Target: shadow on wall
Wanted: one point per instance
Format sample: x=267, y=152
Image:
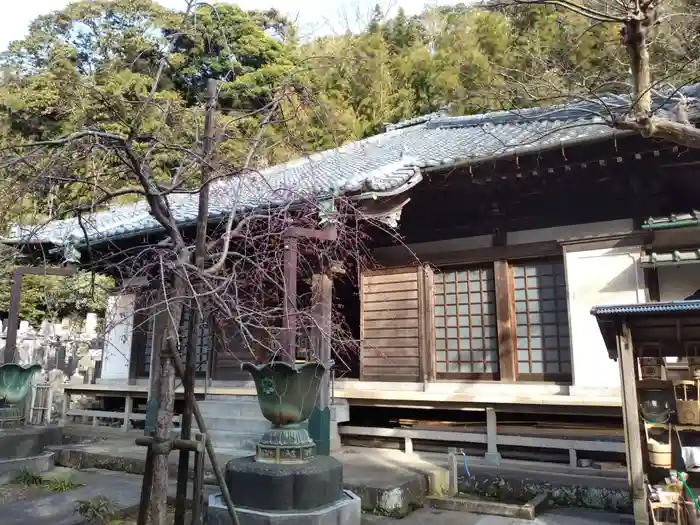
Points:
x=623, y=282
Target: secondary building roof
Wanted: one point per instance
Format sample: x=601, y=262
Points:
x=386, y=164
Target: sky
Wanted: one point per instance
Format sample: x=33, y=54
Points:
x=312, y=16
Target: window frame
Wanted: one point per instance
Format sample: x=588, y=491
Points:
x=477, y=376
x=544, y=376
x=506, y=324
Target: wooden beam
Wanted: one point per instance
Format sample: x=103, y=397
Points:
x=10, y=352
x=428, y=357
x=633, y=437
x=322, y=293
x=505, y=317
x=320, y=420
x=534, y=250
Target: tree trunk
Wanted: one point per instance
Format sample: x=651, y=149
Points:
x=165, y=396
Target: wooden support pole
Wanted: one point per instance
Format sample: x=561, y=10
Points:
x=198, y=481
x=633, y=437
x=10, y=352
x=289, y=321
x=173, y=444
x=145, y=501
x=226, y=496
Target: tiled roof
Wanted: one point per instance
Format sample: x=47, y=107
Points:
x=672, y=258
x=384, y=164
x=681, y=220
x=647, y=308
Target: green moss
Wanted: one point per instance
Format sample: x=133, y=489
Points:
x=493, y=487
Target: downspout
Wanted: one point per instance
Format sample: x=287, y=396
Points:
x=635, y=265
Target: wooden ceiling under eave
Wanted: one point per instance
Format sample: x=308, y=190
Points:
x=629, y=177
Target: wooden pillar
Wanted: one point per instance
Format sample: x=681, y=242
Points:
x=633, y=437
x=320, y=420
x=505, y=314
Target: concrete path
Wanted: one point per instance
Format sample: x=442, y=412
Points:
x=556, y=517
x=59, y=509
x=124, y=490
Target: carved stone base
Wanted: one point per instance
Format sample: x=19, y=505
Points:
x=291, y=445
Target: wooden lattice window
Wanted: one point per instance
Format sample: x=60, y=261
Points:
x=466, y=338
x=542, y=321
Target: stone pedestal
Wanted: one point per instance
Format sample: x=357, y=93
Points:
x=283, y=487
x=308, y=493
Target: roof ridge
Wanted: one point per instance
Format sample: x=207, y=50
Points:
x=607, y=103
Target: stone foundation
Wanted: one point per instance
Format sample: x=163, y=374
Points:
x=345, y=511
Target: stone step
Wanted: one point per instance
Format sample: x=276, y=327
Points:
x=237, y=424
x=235, y=440
x=247, y=407
x=220, y=398
x=229, y=453
x=230, y=409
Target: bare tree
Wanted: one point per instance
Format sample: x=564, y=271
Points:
x=654, y=78
x=229, y=274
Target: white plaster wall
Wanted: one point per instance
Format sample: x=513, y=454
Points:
x=594, y=278
x=119, y=322
x=406, y=253
x=678, y=282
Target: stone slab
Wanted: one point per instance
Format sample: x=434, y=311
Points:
x=284, y=487
x=527, y=511
x=346, y=511
x=10, y=468
x=429, y=516
x=28, y=441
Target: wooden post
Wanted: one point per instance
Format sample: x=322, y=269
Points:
x=32, y=401
x=508, y=361
x=320, y=420
x=49, y=405
x=198, y=481
x=65, y=407
x=427, y=324
x=225, y=494
x=289, y=321
x=10, y=352
x=633, y=438
x=146, y=483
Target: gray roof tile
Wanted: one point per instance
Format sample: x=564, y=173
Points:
x=647, y=308
x=384, y=163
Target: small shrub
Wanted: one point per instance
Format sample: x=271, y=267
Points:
x=96, y=511
x=61, y=484
x=29, y=478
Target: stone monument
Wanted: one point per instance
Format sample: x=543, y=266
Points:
x=285, y=482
